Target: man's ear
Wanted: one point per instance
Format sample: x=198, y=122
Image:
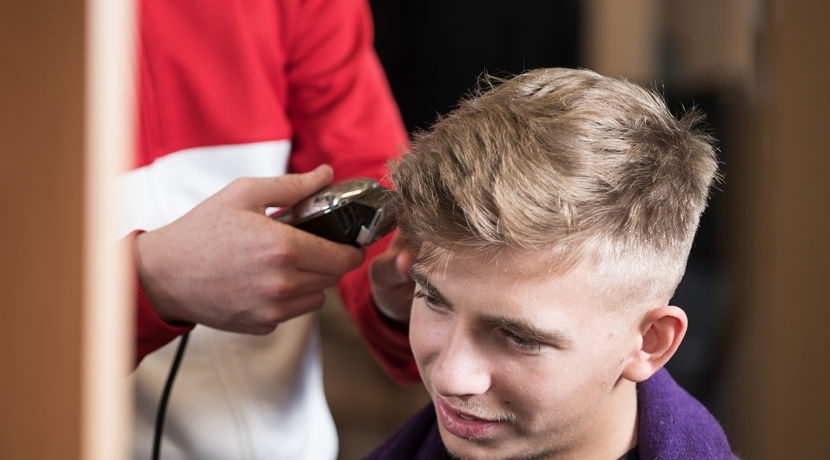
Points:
x=661, y=331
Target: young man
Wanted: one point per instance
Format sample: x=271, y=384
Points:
x=551, y=218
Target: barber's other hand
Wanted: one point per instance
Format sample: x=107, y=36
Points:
x=391, y=285
x=227, y=265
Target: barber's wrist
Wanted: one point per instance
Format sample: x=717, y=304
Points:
x=145, y=266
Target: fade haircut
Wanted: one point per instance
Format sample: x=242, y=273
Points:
x=594, y=169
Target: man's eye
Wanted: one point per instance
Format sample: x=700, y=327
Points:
x=522, y=343
x=430, y=300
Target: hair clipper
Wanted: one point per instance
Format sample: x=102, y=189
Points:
x=357, y=211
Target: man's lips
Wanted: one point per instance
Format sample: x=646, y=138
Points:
x=463, y=424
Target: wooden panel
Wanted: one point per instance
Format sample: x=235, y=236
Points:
x=621, y=38
x=42, y=94
x=711, y=43
x=793, y=249
x=778, y=380
x=108, y=337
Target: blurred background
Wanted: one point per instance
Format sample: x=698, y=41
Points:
x=755, y=352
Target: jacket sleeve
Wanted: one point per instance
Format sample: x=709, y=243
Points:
x=343, y=114
x=152, y=332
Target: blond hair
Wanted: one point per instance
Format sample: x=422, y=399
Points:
x=594, y=168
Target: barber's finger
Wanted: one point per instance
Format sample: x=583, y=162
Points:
x=300, y=305
x=264, y=192
x=299, y=283
x=401, y=258
x=404, y=262
x=397, y=243
x=324, y=256
x=391, y=267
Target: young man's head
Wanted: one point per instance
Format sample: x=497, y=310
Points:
x=551, y=217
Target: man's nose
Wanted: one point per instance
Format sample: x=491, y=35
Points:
x=461, y=368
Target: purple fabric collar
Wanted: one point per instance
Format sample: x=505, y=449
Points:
x=672, y=425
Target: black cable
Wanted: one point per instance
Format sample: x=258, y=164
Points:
x=165, y=395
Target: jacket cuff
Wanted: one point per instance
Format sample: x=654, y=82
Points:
x=152, y=332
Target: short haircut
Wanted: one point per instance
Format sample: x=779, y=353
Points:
x=596, y=169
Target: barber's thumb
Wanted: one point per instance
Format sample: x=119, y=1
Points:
x=291, y=188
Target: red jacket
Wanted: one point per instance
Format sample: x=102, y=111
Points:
x=220, y=73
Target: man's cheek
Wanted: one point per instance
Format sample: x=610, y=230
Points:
x=425, y=336
x=417, y=332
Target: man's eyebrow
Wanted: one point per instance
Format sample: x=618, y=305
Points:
x=525, y=329
x=418, y=274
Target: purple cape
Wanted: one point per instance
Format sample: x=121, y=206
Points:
x=672, y=425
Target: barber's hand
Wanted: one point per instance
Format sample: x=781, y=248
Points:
x=227, y=265
x=391, y=285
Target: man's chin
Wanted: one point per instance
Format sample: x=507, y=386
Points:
x=464, y=449
x=491, y=448
x=461, y=448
